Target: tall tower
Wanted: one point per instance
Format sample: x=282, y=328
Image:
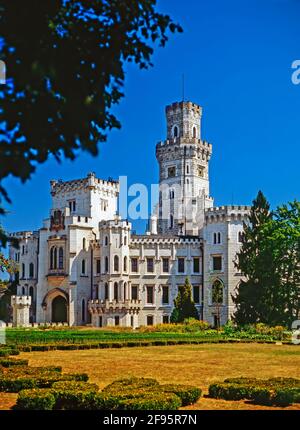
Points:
x=183, y=172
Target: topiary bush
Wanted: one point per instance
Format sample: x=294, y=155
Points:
x=36, y=399
x=9, y=362
x=187, y=393
x=276, y=391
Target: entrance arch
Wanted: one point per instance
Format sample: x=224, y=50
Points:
x=59, y=309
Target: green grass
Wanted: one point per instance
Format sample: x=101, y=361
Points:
x=34, y=336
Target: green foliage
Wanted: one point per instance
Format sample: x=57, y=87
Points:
x=187, y=393
x=72, y=75
x=9, y=362
x=184, y=305
x=269, y=260
x=276, y=391
x=16, y=378
x=36, y=399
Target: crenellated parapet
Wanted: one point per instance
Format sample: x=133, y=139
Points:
x=227, y=213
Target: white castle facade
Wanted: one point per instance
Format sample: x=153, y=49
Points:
x=86, y=266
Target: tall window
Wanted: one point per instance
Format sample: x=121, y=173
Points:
x=106, y=241
x=196, y=265
x=98, y=266
x=83, y=243
x=175, y=131
x=116, y=263
x=165, y=262
x=106, y=291
x=31, y=293
x=60, y=258
x=149, y=319
x=171, y=172
x=217, y=238
x=83, y=268
x=217, y=292
x=116, y=291
x=125, y=240
x=180, y=265
x=125, y=264
x=72, y=205
x=196, y=294
x=31, y=270
x=134, y=265
x=23, y=270
x=150, y=265
x=217, y=263
x=134, y=292
x=240, y=236
x=165, y=295
x=117, y=320
x=150, y=295
x=165, y=319
x=83, y=310
x=106, y=264
x=171, y=221
x=194, y=132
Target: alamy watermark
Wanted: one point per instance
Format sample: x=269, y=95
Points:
x=296, y=74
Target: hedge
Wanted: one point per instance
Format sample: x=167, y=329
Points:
x=187, y=393
x=276, y=391
x=9, y=362
x=125, y=394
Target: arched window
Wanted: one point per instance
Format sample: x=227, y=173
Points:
x=125, y=288
x=175, y=131
x=187, y=169
x=116, y=292
x=106, y=291
x=106, y=241
x=31, y=270
x=219, y=237
x=171, y=221
x=83, y=310
x=106, y=264
x=83, y=267
x=125, y=264
x=52, y=257
x=116, y=263
x=240, y=237
x=125, y=240
x=60, y=258
x=217, y=294
x=83, y=243
x=23, y=270
x=55, y=258
x=194, y=132
x=23, y=291
x=31, y=293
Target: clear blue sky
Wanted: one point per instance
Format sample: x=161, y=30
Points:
x=236, y=56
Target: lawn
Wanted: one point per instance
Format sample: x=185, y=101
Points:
x=199, y=365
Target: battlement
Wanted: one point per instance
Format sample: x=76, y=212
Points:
x=117, y=222
x=159, y=239
x=184, y=141
x=20, y=301
x=177, y=106
x=91, y=181
x=227, y=213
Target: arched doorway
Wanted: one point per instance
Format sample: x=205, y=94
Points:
x=59, y=309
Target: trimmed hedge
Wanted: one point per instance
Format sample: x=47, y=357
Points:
x=187, y=393
x=36, y=399
x=17, y=378
x=9, y=362
x=125, y=394
x=273, y=391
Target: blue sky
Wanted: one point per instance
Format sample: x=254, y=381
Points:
x=236, y=56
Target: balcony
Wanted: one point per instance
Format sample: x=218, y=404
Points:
x=114, y=306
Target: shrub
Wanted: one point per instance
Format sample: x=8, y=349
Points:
x=158, y=402
x=36, y=399
x=131, y=383
x=74, y=395
x=187, y=393
x=8, y=362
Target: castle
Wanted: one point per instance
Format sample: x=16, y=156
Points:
x=85, y=265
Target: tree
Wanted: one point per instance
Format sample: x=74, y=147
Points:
x=256, y=295
x=286, y=246
x=7, y=288
x=65, y=71
x=217, y=299
x=184, y=305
